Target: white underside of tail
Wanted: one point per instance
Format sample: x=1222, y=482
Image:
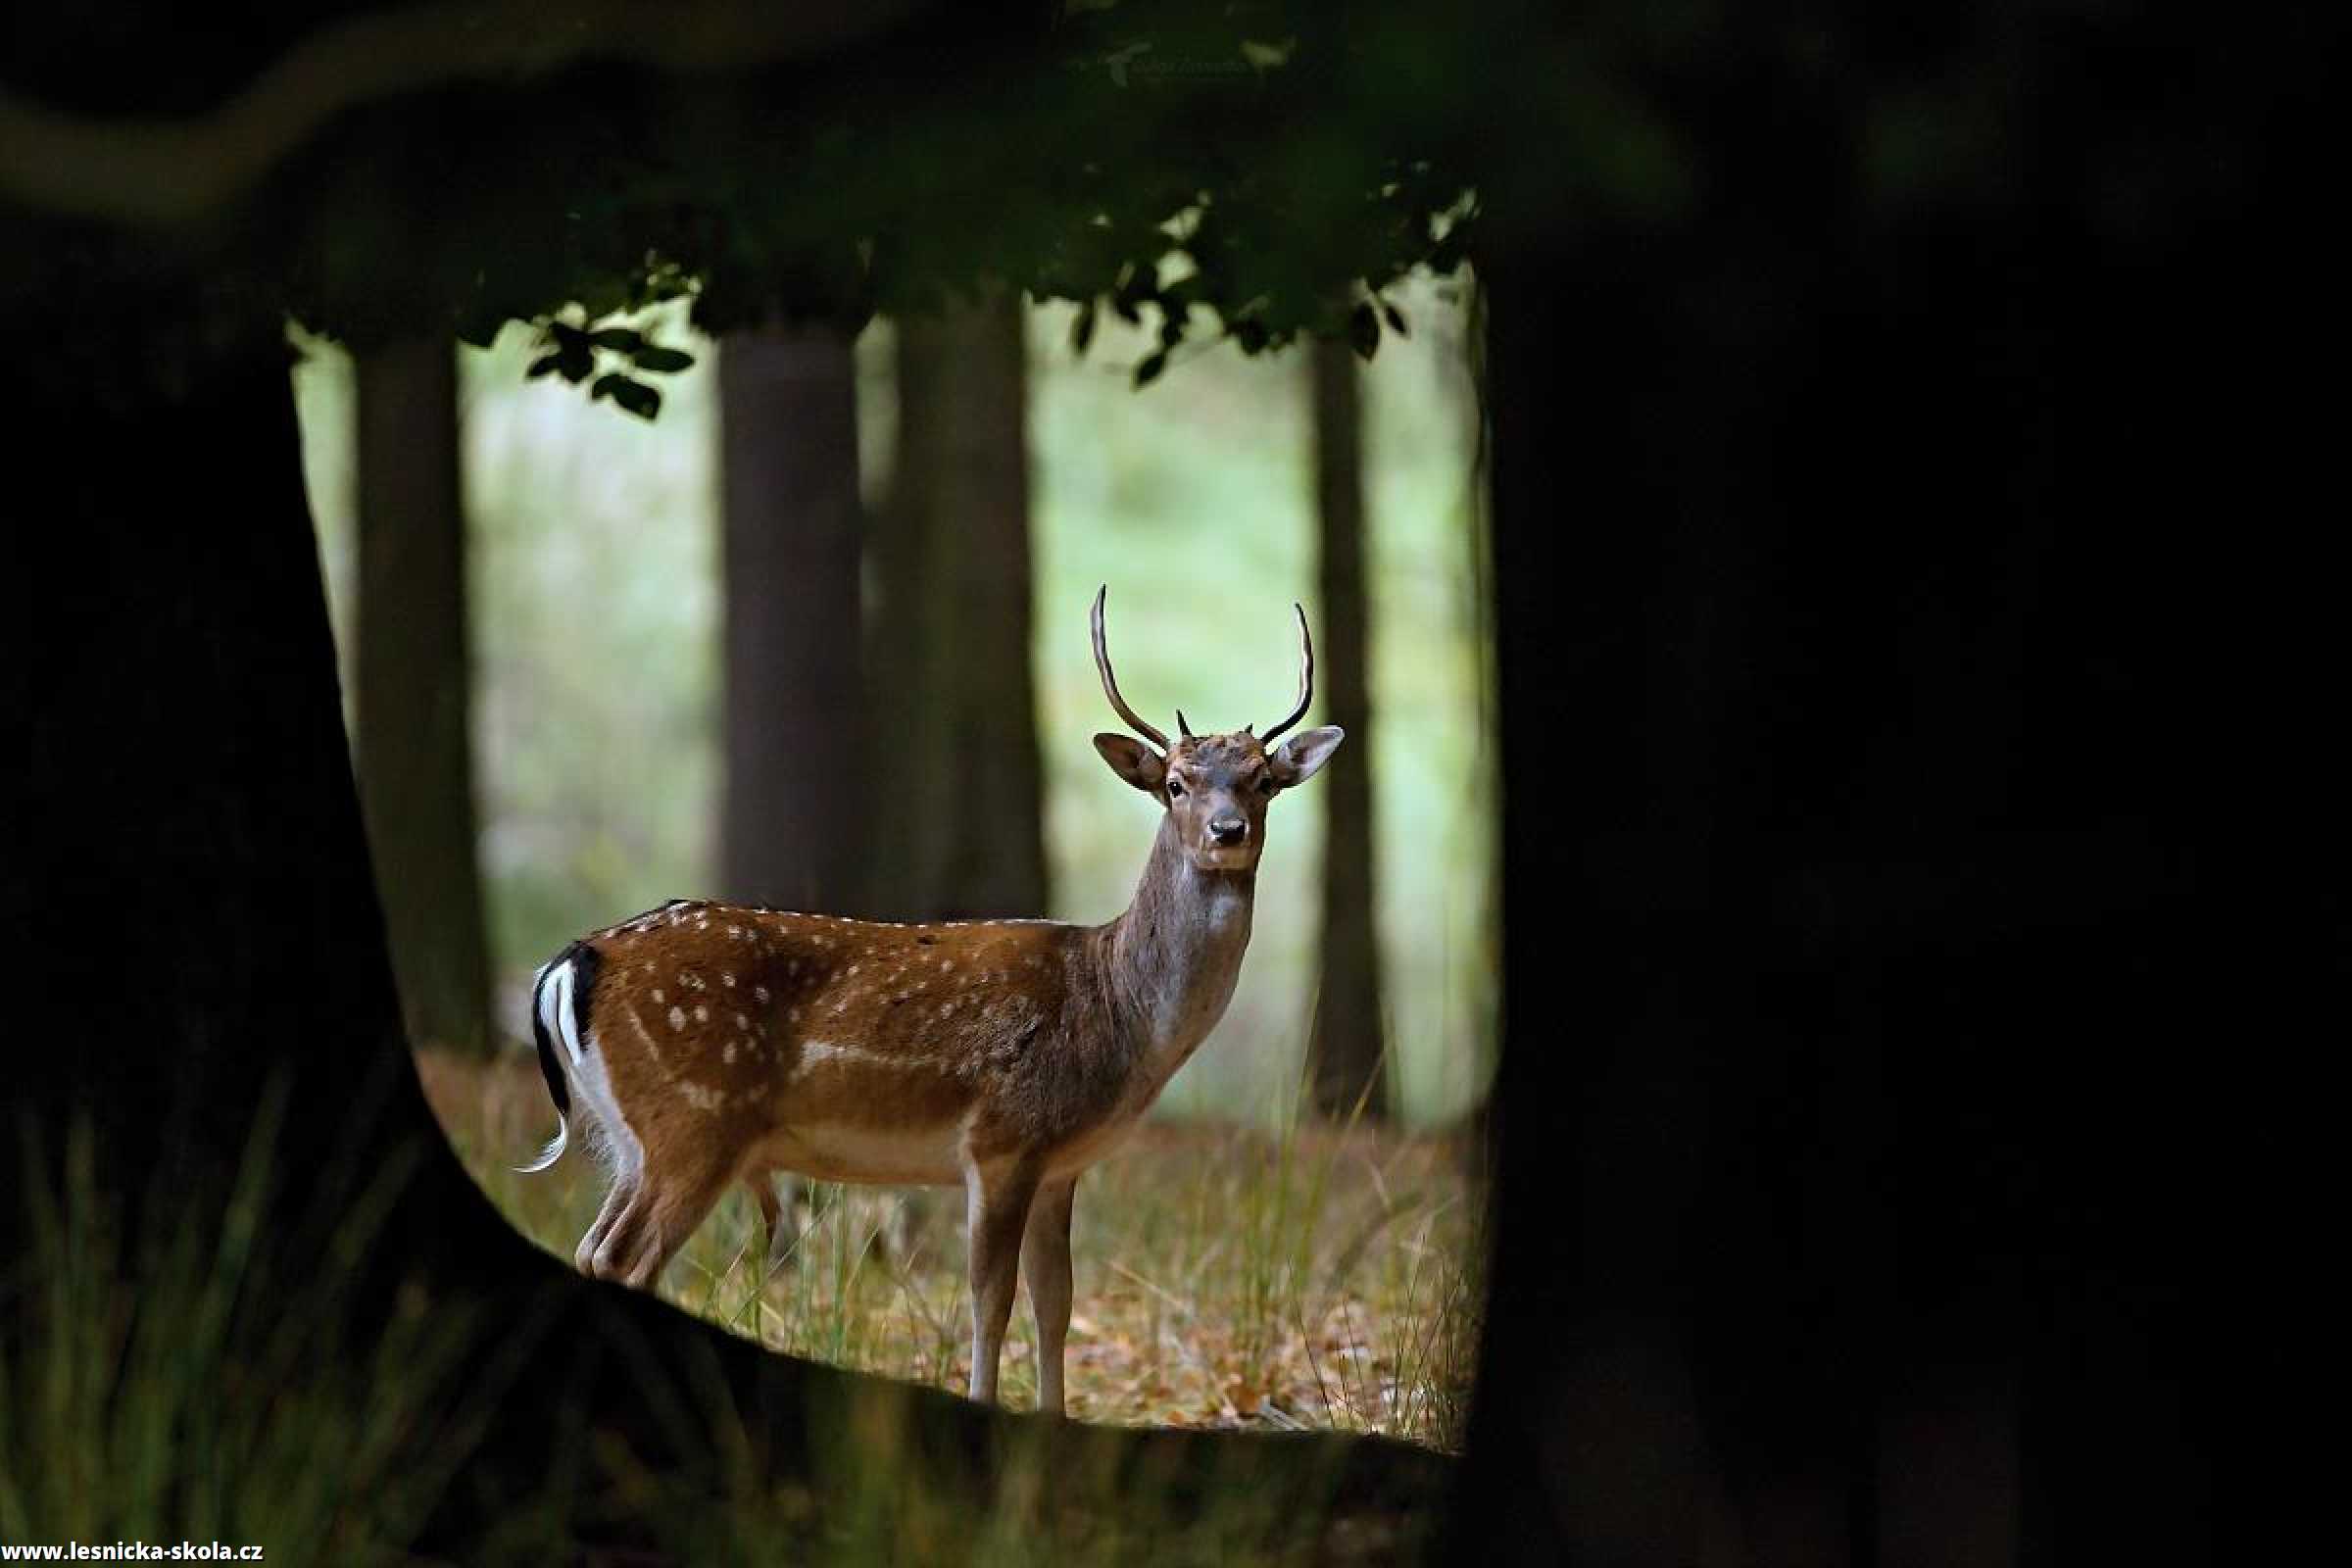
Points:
x=553, y=997
x=609, y=1136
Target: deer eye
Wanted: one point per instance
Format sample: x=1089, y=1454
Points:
x=1175, y=788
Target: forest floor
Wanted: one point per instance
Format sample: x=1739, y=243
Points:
x=1319, y=1277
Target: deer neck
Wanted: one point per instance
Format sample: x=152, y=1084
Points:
x=1177, y=951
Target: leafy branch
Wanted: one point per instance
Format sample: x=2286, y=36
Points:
x=577, y=353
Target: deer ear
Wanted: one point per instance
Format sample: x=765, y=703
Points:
x=1139, y=764
x=1297, y=759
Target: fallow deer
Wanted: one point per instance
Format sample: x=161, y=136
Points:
x=711, y=1044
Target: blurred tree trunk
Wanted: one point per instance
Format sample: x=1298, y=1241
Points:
x=414, y=746
x=1875, y=642
x=792, y=827
x=958, y=788
x=1347, y=1043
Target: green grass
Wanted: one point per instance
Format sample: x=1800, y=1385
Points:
x=205, y=1381
x=1306, y=1279
x=182, y=1384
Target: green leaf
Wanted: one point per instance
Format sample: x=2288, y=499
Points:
x=1394, y=319
x=1364, y=330
x=1082, y=328
x=543, y=364
x=660, y=360
x=639, y=399
x=620, y=340
x=1149, y=370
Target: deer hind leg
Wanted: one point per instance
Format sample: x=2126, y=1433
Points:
x=997, y=1209
x=788, y=1208
x=1046, y=1267
x=902, y=1230
x=616, y=1199
x=772, y=1232
x=672, y=1197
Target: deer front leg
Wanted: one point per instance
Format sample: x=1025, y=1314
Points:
x=996, y=1201
x=1046, y=1265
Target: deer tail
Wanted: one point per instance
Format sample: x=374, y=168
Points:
x=558, y=996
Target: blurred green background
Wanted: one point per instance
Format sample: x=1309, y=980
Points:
x=593, y=560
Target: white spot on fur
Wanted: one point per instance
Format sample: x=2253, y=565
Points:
x=677, y=1017
x=700, y=1097
x=816, y=1051
x=658, y=997
x=759, y=993
x=728, y=1055
x=727, y=979
x=702, y=1014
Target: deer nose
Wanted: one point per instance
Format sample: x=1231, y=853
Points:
x=1227, y=830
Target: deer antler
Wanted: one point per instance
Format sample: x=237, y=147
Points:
x=1307, y=676
x=1111, y=682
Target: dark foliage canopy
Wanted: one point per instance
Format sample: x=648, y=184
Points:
x=1250, y=170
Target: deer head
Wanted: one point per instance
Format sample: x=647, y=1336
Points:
x=1215, y=788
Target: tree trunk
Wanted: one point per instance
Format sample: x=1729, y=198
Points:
x=413, y=745
x=793, y=829
x=958, y=785
x=1346, y=1043
x=1872, y=686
